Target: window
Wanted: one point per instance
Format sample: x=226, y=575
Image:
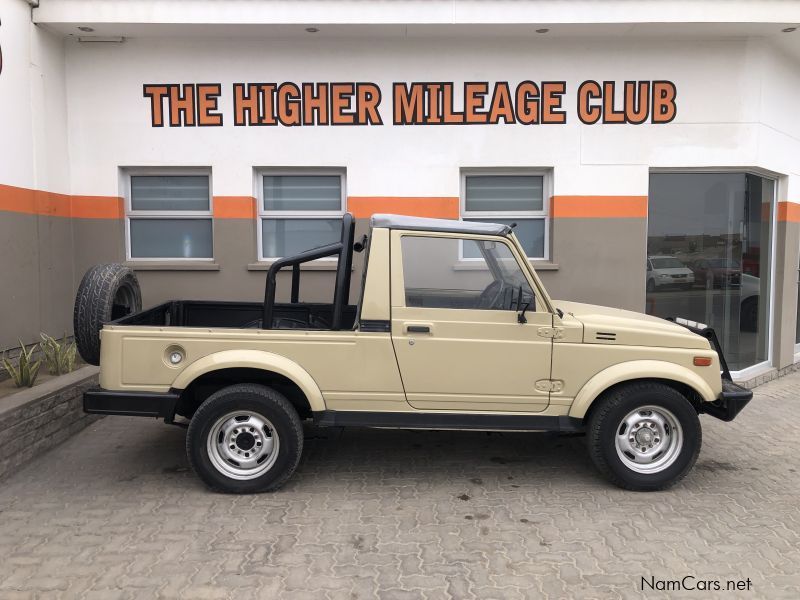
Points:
x=431, y=281
x=709, y=242
x=508, y=198
x=168, y=216
x=299, y=211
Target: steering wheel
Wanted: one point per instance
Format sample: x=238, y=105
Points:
x=489, y=296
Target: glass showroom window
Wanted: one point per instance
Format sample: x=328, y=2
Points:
x=169, y=216
x=508, y=198
x=709, y=243
x=299, y=211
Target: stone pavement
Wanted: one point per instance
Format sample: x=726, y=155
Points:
x=115, y=513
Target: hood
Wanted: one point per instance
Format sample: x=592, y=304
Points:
x=604, y=325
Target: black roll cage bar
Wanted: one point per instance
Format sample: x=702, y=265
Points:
x=343, y=249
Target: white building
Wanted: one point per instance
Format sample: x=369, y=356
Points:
x=648, y=151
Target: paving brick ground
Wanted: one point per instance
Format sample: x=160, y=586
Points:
x=115, y=513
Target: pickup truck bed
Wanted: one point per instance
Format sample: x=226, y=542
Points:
x=239, y=315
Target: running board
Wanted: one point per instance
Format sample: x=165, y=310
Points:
x=428, y=420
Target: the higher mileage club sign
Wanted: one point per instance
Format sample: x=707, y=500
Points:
x=418, y=103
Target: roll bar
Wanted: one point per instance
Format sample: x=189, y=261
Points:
x=343, y=248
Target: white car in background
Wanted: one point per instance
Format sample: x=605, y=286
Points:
x=666, y=271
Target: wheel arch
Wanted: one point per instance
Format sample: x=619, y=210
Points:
x=217, y=370
x=683, y=380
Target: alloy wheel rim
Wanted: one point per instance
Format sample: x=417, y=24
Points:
x=649, y=439
x=243, y=445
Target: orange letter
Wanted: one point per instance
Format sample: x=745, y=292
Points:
x=288, y=104
x=267, y=91
x=449, y=115
x=637, y=106
x=368, y=98
x=313, y=103
x=207, y=94
x=587, y=91
x=408, y=107
x=473, y=102
x=156, y=94
x=527, y=103
x=551, y=102
x=664, y=109
x=181, y=105
x=245, y=104
x=501, y=104
x=609, y=114
x=340, y=101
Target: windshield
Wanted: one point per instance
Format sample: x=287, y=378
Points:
x=667, y=263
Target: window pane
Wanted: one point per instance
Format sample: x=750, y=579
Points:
x=432, y=281
x=169, y=192
x=709, y=236
x=171, y=238
x=302, y=192
x=504, y=192
x=530, y=233
x=286, y=237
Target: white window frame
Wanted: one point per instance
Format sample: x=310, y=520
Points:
x=165, y=214
x=543, y=214
x=295, y=214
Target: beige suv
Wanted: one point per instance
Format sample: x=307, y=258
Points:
x=452, y=329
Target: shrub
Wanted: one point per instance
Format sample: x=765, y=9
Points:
x=26, y=369
x=59, y=356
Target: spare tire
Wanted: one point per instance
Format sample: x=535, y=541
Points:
x=106, y=293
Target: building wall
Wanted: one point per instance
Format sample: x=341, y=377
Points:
x=600, y=172
x=735, y=110
x=36, y=269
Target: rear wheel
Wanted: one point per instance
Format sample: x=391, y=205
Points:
x=245, y=438
x=644, y=436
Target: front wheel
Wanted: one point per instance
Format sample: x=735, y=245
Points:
x=245, y=438
x=644, y=436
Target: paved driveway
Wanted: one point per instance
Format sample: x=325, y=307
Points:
x=115, y=513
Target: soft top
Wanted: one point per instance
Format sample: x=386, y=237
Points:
x=447, y=225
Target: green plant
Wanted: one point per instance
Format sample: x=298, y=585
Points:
x=26, y=369
x=59, y=356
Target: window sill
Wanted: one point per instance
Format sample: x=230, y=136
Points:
x=314, y=265
x=158, y=265
x=469, y=265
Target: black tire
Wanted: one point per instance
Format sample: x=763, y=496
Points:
x=248, y=398
x=107, y=292
x=651, y=286
x=606, y=422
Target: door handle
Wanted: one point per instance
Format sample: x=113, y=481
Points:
x=418, y=328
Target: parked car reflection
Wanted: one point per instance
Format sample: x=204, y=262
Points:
x=663, y=271
x=717, y=272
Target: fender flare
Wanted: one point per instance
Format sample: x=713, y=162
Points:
x=254, y=359
x=637, y=369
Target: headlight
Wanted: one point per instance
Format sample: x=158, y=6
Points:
x=664, y=276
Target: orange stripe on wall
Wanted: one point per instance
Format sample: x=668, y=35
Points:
x=789, y=212
x=599, y=207
x=50, y=204
x=234, y=207
x=440, y=207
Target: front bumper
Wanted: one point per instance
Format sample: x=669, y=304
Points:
x=730, y=402
x=98, y=401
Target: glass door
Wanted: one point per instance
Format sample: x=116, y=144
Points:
x=709, y=256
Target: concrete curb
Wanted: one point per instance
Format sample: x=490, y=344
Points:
x=36, y=419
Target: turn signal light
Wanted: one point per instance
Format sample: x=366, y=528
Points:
x=702, y=361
